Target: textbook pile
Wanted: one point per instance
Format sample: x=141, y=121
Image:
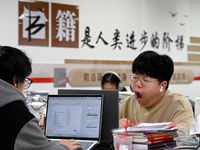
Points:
x=152, y=136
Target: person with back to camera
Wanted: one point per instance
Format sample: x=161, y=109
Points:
x=112, y=81
x=19, y=128
x=153, y=101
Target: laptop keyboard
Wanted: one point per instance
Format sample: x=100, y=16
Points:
x=85, y=145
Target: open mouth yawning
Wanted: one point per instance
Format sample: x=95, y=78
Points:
x=138, y=96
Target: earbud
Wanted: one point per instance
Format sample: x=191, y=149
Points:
x=161, y=88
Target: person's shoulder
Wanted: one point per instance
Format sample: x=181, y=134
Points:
x=175, y=95
x=178, y=97
x=128, y=99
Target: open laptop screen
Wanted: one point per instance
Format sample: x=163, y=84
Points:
x=110, y=109
x=74, y=116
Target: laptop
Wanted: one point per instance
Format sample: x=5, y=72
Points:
x=110, y=119
x=75, y=116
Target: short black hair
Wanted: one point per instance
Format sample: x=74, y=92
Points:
x=154, y=65
x=14, y=62
x=110, y=78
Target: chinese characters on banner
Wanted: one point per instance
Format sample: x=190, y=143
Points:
x=65, y=25
x=34, y=30
x=97, y=76
x=34, y=23
x=116, y=43
x=92, y=77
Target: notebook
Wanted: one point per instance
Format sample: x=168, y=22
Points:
x=74, y=116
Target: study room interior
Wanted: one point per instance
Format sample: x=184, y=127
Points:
x=72, y=44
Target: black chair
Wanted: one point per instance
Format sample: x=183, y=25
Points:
x=192, y=104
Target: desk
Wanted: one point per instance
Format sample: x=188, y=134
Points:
x=104, y=146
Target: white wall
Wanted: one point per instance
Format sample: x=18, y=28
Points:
x=106, y=16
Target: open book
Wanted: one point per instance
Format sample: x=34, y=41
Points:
x=163, y=125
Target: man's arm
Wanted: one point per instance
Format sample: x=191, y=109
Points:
x=122, y=123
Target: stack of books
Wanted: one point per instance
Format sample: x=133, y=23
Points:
x=151, y=136
x=158, y=140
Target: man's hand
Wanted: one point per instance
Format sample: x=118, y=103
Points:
x=122, y=123
x=72, y=144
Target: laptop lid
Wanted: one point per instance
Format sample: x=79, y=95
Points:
x=76, y=116
x=110, y=118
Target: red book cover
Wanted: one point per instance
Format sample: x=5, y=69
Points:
x=161, y=137
x=154, y=142
x=161, y=134
x=154, y=138
x=162, y=140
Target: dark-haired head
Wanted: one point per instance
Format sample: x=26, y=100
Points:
x=14, y=63
x=154, y=65
x=110, y=78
